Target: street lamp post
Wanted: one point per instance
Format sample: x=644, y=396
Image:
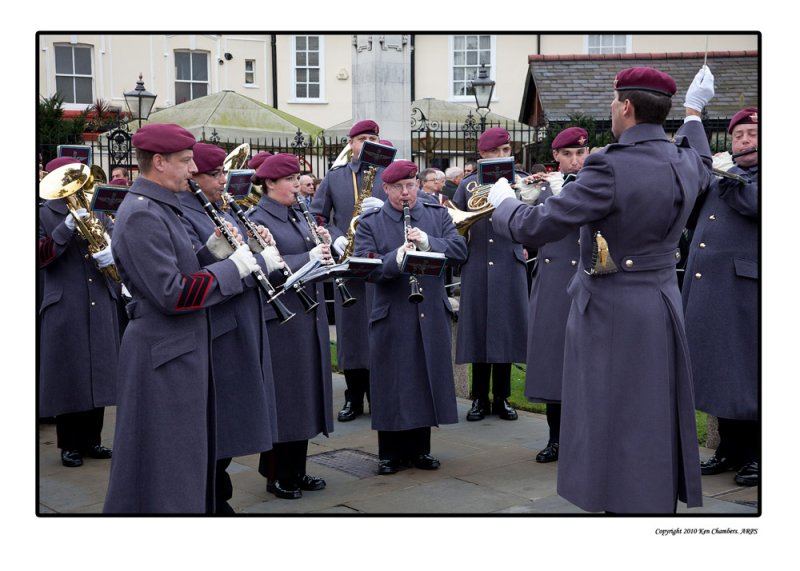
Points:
x=140, y=101
x=482, y=88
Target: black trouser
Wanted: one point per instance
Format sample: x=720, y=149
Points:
x=402, y=445
x=738, y=440
x=79, y=430
x=501, y=380
x=554, y=421
x=223, y=487
x=286, y=461
x=357, y=381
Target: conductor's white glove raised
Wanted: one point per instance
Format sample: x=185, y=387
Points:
x=701, y=90
x=500, y=191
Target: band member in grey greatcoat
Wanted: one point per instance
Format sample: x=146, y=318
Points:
x=79, y=343
x=333, y=205
x=301, y=358
x=720, y=296
x=556, y=263
x=244, y=393
x=493, y=313
x=628, y=437
x=164, y=454
x=412, y=383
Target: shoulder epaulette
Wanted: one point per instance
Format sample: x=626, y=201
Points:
x=370, y=211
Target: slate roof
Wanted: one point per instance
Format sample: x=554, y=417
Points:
x=560, y=85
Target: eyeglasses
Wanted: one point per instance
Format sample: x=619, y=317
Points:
x=399, y=187
x=216, y=173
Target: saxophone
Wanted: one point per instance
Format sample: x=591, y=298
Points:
x=369, y=178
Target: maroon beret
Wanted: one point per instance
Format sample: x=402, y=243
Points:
x=207, y=157
x=492, y=138
x=570, y=137
x=365, y=126
x=257, y=159
x=119, y=182
x=645, y=79
x=399, y=170
x=278, y=166
x=385, y=142
x=60, y=162
x=748, y=115
x=163, y=138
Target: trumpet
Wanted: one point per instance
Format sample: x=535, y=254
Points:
x=416, y=292
x=347, y=298
x=272, y=294
x=308, y=302
x=74, y=183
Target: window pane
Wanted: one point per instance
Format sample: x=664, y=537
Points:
x=63, y=59
x=65, y=87
x=458, y=58
x=472, y=42
x=313, y=58
x=301, y=90
x=199, y=90
x=249, y=64
x=472, y=58
x=249, y=77
x=83, y=61
x=83, y=90
x=313, y=75
x=199, y=67
x=458, y=74
x=313, y=43
x=300, y=58
x=485, y=57
x=458, y=42
x=302, y=75
x=300, y=43
x=485, y=42
x=181, y=92
x=313, y=90
x=182, y=65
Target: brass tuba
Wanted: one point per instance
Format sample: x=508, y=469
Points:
x=75, y=184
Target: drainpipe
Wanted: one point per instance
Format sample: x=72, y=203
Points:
x=274, y=42
x=413, y=77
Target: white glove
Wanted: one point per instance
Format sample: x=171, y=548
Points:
x=104, y=257
x=555, y=180
x=422, y=242
x=322, y=253
x=722, y=161
x=401, y=253
x=272, y=258
x=371, y=202
x=244, y=260
x=218, y=246
x=701, y=90
x=500, y=191
x=70, y=220
x=340, y=244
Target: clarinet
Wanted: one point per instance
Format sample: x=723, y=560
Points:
x=347, y=299
x=308, y=302
x=272, y=294
x=416, y=291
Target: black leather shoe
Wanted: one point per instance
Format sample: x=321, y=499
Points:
x=504, y=410
x=350, y=411
x=549, y=454
x=715, y=465
x=310, y=483
x=71, y=458
x=748, y=474
x=284, y=490
x=388, y=467
x=426, y=462
x=98, y=452
x=480, y=408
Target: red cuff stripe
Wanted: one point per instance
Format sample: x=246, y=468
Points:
x=195, y=290
x=46, y=250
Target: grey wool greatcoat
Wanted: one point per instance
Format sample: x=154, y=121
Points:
x=79, y=342
x=164, y=442
x=301, y=351
x=333, y=205
x=411, y=380
x=493, y=312
x=556, y=263
x=720, y=297
x=244, y=392
x=628, y=439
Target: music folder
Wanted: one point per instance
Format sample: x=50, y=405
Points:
x=423, y=263
x=302, y=273
x=239, y=183
x=376, y=154
x=107, y=198
x=492, y=170
x=355, y=268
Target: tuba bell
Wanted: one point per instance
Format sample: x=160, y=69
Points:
x=74, y=184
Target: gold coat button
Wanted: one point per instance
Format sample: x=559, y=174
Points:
x=698, y=275
x=702, y=244
x=628, y=263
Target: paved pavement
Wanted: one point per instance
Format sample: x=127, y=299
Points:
x=487, y=467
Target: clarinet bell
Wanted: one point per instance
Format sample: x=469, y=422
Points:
x=309, y=304
x=281, y=310
x=416, y=292
x=347, y=298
